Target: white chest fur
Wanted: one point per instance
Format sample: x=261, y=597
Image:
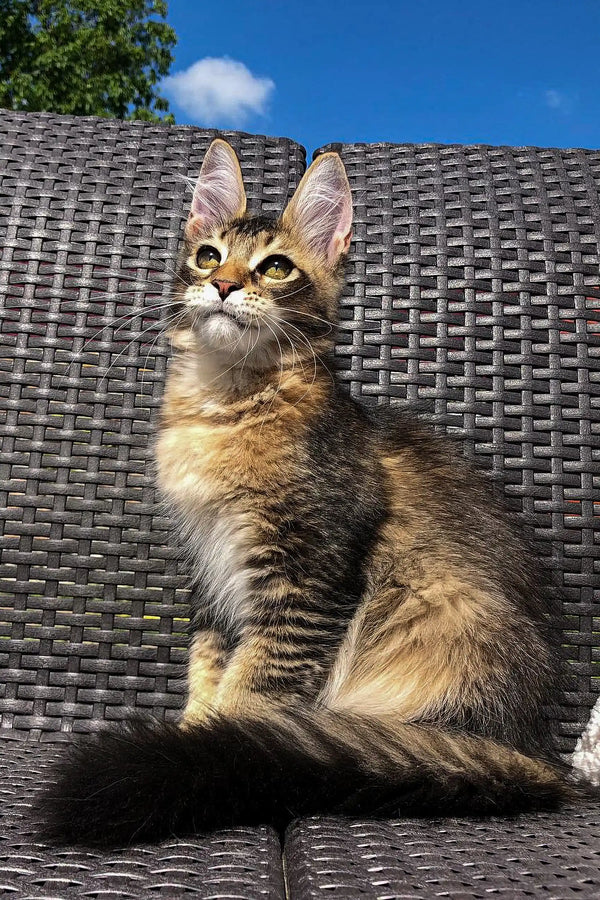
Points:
x=215, y=531
x=217, y=552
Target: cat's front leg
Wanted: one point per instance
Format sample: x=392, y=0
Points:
x=283, y=656
x=207, y=660
x=261, y=675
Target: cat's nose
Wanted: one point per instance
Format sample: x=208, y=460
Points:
x=226, y=287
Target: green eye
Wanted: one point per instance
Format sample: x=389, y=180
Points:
x=207, y=257
x=277, y=267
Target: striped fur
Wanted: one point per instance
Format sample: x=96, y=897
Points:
x=148, y=781
x=372, y=632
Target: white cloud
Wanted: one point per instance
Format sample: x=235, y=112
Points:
x=218, y=91
x=559, y=100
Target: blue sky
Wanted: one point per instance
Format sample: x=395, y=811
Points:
x=503, y=72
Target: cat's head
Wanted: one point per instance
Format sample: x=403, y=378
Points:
x=253, y=288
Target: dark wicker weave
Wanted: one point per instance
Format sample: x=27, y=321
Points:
x=473, y=289
x=550, y=856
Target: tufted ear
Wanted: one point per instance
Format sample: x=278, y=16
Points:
x=321, y=209
x=219, y=194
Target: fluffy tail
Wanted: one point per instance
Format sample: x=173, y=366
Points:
x=149, y=780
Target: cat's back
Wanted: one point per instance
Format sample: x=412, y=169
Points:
x=428, y=468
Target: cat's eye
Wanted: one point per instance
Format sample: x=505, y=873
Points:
x=277, y=267
x=208, y=257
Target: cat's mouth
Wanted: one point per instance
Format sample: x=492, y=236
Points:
x=200, y=318
x=227, y=315
x=240, y=317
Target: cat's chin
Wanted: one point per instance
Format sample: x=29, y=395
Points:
x=229, y=342
x=221, y=332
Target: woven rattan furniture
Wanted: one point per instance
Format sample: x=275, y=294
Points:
x=474, y=292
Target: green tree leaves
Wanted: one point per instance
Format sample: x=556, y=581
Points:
x=85, y=57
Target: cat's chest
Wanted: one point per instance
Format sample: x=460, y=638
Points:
x=215, y=479
x=203, y=464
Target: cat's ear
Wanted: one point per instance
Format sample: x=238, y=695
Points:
x=219, y=194
x=321, y=209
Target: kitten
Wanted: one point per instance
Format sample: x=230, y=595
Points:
x=369, y=630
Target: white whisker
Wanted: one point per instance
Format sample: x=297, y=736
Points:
x=280, y=374
x=234, y=344
x=127, y=317
x=299, y=312
x=315, y=355
x=251, y=350
x=163, y=323
x=291, y=293
x=153, y=344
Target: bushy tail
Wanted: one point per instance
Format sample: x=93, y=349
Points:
x=146, y=781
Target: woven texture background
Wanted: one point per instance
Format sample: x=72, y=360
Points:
x=474, y=292
x=473, y=289
x=92, y=617
x=543, y=855
x=240, y=863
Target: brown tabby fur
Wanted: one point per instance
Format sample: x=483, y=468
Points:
x=427, y=636
x=364, y=611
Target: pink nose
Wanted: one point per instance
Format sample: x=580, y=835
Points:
x=226, y=287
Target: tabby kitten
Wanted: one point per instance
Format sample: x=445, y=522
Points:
x=369, y=631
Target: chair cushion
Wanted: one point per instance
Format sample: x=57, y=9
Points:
x=551, y=855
